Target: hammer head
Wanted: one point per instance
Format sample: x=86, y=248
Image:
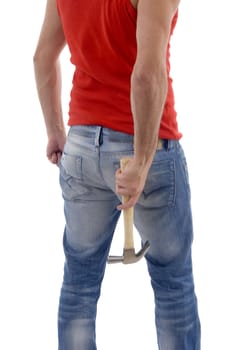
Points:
x=129, y=255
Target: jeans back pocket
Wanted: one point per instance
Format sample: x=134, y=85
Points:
x=71, y=178
x=159, y=190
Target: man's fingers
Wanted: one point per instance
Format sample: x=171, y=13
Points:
x=59, y=155
x=122, y=191
x=130, y=203
x=55, y=157
x=129, y=190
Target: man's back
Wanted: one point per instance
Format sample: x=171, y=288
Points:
x=102, y=39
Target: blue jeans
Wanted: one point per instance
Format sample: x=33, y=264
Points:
x=162, y=216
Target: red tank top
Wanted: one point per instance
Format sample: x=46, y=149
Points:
x=101, y=36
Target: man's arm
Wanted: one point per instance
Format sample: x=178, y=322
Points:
x=148, y=92
x=48, y=79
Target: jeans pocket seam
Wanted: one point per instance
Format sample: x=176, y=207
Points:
x=167, y=198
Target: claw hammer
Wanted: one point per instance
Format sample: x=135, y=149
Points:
x=129, y=255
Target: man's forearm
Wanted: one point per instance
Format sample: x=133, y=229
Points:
x=148, y=95
x=48, y=82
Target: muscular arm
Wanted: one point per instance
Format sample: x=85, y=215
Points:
x=148, y=92
x=48, y=79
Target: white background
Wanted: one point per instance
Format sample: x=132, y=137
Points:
x=31, y=258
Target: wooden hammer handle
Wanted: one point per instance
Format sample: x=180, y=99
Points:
x=127, y=216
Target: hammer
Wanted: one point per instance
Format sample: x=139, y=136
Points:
x=129, y=256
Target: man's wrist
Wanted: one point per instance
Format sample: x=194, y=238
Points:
x=144, y=157
x=143, y=162
x=55, y=129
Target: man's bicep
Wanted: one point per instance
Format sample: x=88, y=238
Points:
x=153, y=29
x=52, y=37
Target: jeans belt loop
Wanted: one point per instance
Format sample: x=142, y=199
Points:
x=99, y=136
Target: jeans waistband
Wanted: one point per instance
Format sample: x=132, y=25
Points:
x=96, y=134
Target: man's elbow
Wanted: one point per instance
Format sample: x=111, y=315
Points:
x=150, y=80
x=39, y=56
x=35, y=59
x=44, y=56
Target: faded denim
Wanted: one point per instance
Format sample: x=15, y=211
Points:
x=162, y=216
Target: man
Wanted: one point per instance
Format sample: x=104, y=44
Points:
x=122, y=104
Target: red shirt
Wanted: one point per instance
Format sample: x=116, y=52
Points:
x=101, y=35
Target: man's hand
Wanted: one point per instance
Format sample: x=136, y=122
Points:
x=130, y=182
x=55, y=147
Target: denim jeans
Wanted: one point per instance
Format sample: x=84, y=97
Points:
x=162, y=216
